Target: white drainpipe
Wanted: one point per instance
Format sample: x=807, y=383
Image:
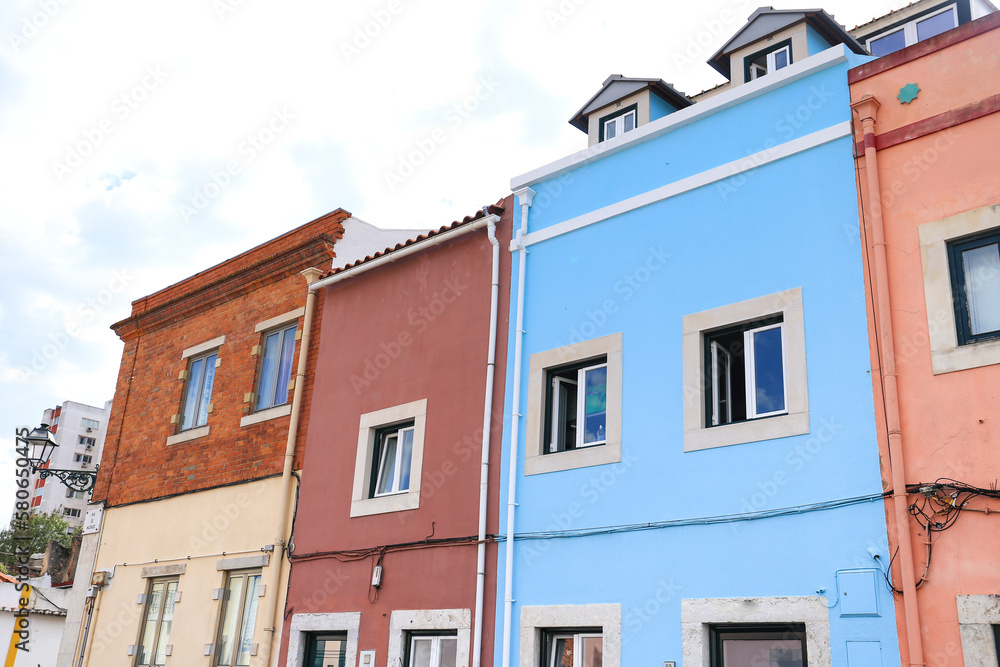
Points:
x=484, y=477
x=517, y=244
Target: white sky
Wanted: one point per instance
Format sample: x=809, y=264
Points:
x=114, y=117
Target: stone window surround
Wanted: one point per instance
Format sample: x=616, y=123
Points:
x=305, y=624
x=535, y=620
x=361, y=504
x=279, y=410
x=946, y=354
x=977, y=614
x=536, y=461
x=200, y=431
x=697, y=435
x=402, y=621
x=697, y=615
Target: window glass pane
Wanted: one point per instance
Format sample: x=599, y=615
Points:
x=592, y=649
x=229, y=619
x=404, y=464
x=610, y=128
x=249, y=618
x=285, y=367
x=387, y=464
x=165, y=622
x=562, y=652
x=629, y=119
x=268, y=365
x=149, y=627
x=888, y=44
x=449, y=652
x=780, y=58
x=420, y=652
x=935, y=25
x=769, y=382
x=328, y=652
x=754, y=652
x=982, y=287
x=595, y=405
x=191, y=395
x=206, y=392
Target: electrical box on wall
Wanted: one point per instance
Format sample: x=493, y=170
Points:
x=367, y=659
x=858, y=592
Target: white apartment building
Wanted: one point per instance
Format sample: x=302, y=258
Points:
x=79, y=430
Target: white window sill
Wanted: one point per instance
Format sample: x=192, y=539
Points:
x=397, y=502
x=190, y=434
x=752, y=430
x=264, y=415
x=596, y=455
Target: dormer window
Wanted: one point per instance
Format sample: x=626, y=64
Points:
x=770, y=60
x=913, y=31
x=618, y=123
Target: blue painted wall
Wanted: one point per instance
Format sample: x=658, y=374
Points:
x=815, y=41
x=658, y=107
x=790, y=223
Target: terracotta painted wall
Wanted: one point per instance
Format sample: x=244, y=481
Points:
x=950, y=422
x=415, y=329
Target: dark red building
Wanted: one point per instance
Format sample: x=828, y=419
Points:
x=388, y=564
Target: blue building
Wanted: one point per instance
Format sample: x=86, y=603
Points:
x=691, y=460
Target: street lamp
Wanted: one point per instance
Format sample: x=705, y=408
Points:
x=77, y=480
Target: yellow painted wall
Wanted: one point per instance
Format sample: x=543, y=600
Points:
x=202, y=525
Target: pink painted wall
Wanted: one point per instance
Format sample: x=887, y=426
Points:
x=414, y=329
x=950, y=422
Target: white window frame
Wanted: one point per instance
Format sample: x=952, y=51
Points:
x=168, y=598
x=536, y=460
x=700, y=614
x=581, y=402
x=618, y=122
x=947, y=355
x=403, y=621
x=435, y=657
x=750, y=376
x=397, y=462
x=794, y=420
x=361, y=503
x=576, y=637
x=771, y=57
x=910, y=28
x=307, y=624
x=536, y=620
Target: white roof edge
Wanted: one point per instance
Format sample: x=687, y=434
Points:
x=825, y=59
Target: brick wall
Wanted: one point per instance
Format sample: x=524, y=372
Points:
x=229, y=299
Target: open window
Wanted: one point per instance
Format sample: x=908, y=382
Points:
x=577, y=406
x=574, y=409
x=392, y=460
x=769, y=60
x=389, y=459
x=746, y=373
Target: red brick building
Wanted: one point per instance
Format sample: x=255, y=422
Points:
x=388, y=561
x=197, y=484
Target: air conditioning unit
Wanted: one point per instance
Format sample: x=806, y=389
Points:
x=90, y=430
x=89, y=447
x=84, y=464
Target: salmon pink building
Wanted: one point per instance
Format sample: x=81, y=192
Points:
x=928, y=160
x=392, y=560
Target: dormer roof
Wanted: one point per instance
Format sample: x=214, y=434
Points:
x=767, y=21
x=616, y=87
